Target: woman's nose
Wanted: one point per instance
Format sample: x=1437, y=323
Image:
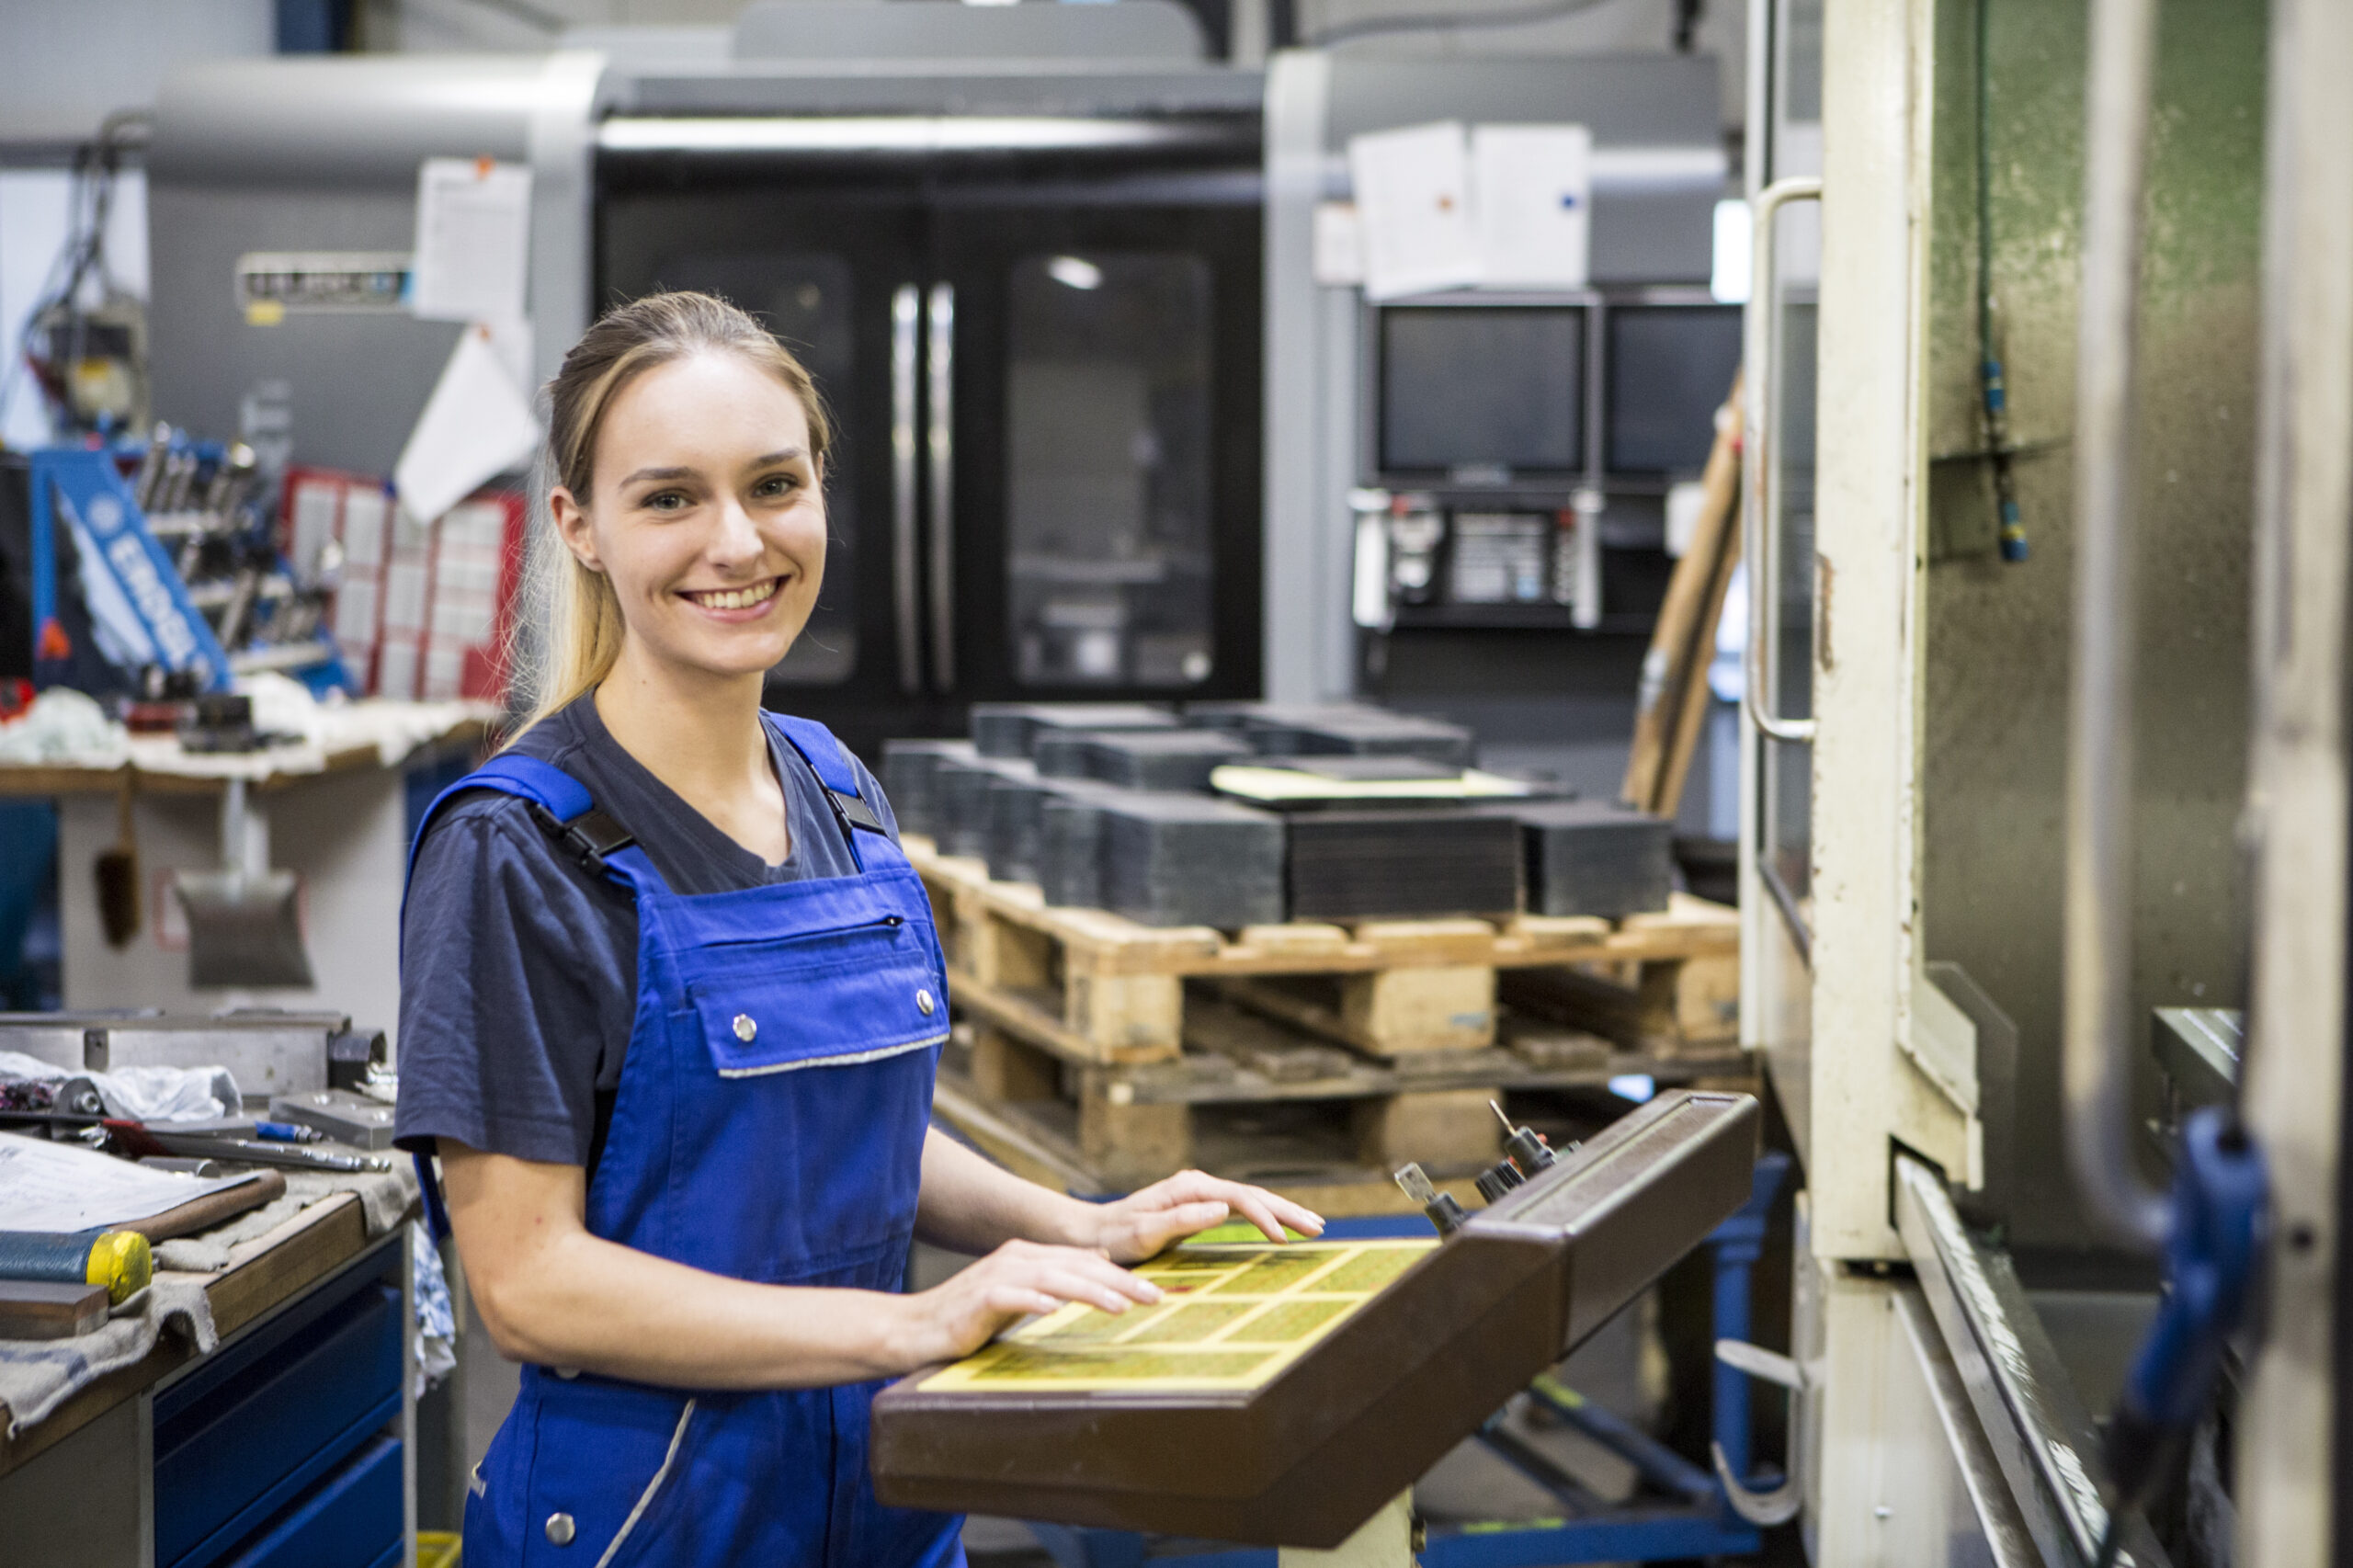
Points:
x=733, y=537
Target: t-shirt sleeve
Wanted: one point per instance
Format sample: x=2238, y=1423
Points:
x=514, y=986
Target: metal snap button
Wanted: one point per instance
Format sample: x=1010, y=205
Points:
x=567, y=1373
x=924, y=1003
x=560, y=1531
x=744, y=1028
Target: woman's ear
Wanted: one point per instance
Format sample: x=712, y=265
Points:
x=572, y=527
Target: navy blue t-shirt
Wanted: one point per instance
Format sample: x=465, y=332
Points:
x=519, y=970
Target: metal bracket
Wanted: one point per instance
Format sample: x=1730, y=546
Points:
x=1782, y=1505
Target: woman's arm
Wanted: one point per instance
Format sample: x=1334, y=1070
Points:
x=970, y=1205
x=552, y=1293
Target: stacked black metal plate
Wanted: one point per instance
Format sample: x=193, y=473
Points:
x=1061, y=753
x=1298, y=729
x=1176, y=759
x=1138, y=760
x=1015, y=796
x=910, y=777
x=1410, y=864
x=1070, y=842
x=1593, y=857
x=1172, y=859
x=960, y=787
x=1011, y=729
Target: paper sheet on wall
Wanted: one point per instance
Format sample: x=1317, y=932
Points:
x=1531, y=191
x=1338, y=252
x=63, y=1188
x=1413, y=197
x=475, y=425
x=473, y=227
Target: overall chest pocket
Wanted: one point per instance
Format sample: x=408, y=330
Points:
x=816, y=998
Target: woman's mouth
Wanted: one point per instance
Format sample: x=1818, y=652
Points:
x=749, y=596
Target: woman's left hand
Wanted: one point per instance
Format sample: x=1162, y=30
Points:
x=1139, y=1225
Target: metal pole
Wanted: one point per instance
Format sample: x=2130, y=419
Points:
x=2098, y=950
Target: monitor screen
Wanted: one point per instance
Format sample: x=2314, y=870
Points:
x=1670, y=367
x=1482, y=386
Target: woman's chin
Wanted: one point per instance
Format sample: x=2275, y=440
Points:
x=734, y=657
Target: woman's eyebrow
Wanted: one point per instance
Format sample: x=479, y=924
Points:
x=659, y=474
x=782, y=455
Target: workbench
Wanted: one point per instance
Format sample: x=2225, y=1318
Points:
x=336, y=808
x=178, y=1458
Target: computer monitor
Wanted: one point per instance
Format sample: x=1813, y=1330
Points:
x=1481, y=387
x=1669, y=369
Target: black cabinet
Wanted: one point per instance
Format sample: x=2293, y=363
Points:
x=1040, y=344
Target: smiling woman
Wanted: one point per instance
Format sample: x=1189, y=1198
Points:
x=671, y=1005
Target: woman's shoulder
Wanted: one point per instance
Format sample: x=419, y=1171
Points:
x=487, y=820
x=870, y=788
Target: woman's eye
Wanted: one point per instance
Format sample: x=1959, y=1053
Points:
x=777, y=484
x=667, y=501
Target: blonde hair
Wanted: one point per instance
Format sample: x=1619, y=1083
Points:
x=570, y=629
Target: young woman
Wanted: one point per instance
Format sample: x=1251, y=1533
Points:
x=671, y=1004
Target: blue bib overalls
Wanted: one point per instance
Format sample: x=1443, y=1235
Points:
x=768, y=1125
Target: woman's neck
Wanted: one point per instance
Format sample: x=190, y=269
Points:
x=699, y=733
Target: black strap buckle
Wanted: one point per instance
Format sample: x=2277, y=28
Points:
x=854, y=811
x=590, y=837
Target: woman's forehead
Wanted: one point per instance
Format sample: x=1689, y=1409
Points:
x=708, y=409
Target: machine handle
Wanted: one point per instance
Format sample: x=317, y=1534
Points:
x=2098, y=952
x=906, y=322
x=1760, y=544
x=941, y=382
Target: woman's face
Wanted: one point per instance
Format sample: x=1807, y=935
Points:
x=706, y=514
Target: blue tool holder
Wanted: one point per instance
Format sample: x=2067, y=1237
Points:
x=132, y=583
x=1697, y=1522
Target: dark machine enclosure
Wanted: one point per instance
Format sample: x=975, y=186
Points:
x=1306, y=1459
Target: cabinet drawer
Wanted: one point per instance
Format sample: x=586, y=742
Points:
x=242, y=1447
x=352, y=1517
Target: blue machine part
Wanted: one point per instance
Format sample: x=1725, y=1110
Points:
x=1694, y=1521
x=138, y=608
x=2221, y=1199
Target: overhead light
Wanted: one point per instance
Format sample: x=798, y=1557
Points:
x=1075, y=272
x=886, y=133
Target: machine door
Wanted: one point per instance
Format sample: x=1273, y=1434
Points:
x=1097, y=495
x=1777, y=894
x=1044, y=381
x=836, y=266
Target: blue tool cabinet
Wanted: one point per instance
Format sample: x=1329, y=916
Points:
x=290, y=1445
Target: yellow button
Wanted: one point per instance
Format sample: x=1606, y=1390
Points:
x=744, y=1028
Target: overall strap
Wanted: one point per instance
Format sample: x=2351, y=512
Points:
x=826, y=759
x=562, y=805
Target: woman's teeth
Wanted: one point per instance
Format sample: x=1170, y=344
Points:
x=736, y=598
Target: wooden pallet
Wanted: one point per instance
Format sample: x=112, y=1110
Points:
x=1108, y=1130
x=1106, y=1053
x=1093, y=987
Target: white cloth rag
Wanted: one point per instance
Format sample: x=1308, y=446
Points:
x=39, y=1375
x=157, y=1094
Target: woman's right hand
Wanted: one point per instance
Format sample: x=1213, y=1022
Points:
x=954, y=1319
